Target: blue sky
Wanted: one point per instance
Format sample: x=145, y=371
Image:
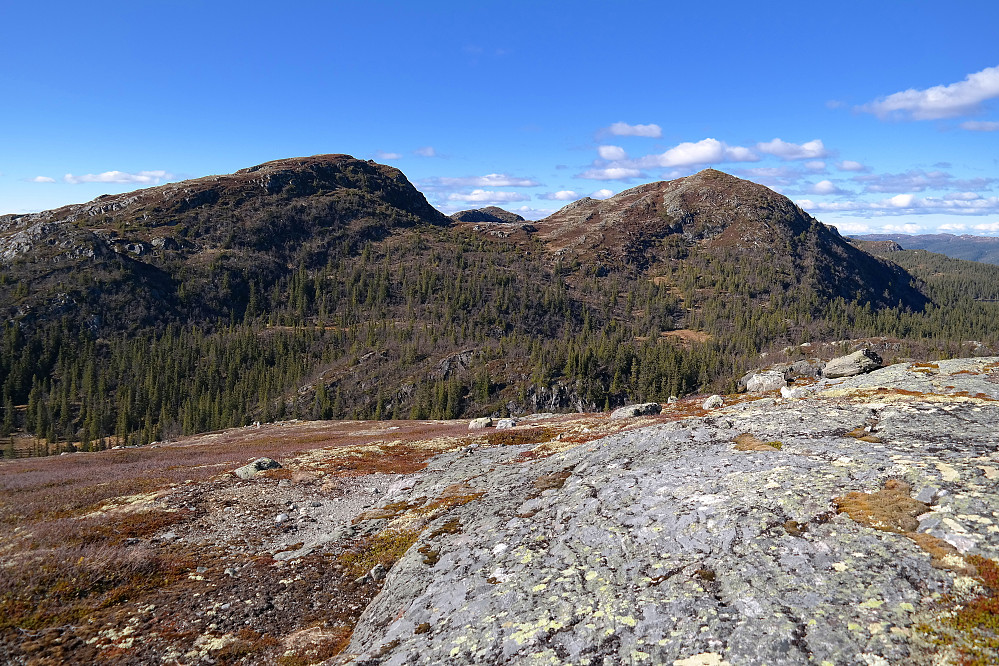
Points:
x=872, y=116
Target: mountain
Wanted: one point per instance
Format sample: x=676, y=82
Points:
x=487, y=214
x=118, y=262
x=973, y=248
x=328, y=287
x=719, y=215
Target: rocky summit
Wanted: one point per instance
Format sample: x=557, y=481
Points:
x=855, y=523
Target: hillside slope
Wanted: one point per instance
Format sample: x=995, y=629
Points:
x=327, y=287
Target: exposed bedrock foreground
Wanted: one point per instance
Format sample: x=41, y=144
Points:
x=721, y=539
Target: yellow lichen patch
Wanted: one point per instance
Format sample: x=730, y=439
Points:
x=948, y=472
x=702, y=659
x=748, y=442
x=890, y=509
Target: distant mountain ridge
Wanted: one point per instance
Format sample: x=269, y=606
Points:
x=973, y=248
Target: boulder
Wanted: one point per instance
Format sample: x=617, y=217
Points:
x=762, y=382
x=503, y=424
x=643, y=409
x=810, y=369
x=258, y=465
x=714, y=402
x=859, y=362
x=479, y=424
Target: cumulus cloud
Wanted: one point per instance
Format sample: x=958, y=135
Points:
x=988, y=226
x=815, y=166
x=943, y=101
x=487, y=197
x=612, y=153
x=651, y=131
x=980, y=126
x=602, y=194
x=909, y=228
x=42, y=179
x=382, y=155
x=561, y=195
x=610, y=173
x=705, y=151
x=952, y=226
x=810, y=150
x=917, y=180
x=425, y=151
x=140, y=178
x=489, y=180
x=825, y=187
x=850, y=165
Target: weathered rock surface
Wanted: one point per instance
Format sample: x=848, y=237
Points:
x=771, y=380
x=713, y=402
x=480, y=423
x=666, y=545
x=859, y=362
x=255, y=467
x=643, y=409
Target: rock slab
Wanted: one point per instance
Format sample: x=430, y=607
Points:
x=642, y=409
x=857, y=363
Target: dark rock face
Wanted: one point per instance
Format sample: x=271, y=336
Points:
x=859, y=362
x=487, y=214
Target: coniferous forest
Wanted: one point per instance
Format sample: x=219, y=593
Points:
x=418, y=320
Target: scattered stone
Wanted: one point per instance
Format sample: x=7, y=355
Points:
x=503, y=424
x=714, y=402
x=378, y=572
x=790, y=393
x=479, y=424
x=255, y=467
x=810, y=369
x=672, y=400
x=859, y=362
x=642, y=409
x=763, y=382
x=280, y=518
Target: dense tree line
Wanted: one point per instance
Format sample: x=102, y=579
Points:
x=438, y=323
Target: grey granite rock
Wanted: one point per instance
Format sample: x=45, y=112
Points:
x=859, y=362
x=763, y=382
x=666, y=545
x=642, y=409
x=258, y=465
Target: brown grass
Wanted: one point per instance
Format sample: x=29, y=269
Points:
x=748, y=442
x=889, y=510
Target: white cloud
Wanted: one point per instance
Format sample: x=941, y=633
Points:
x=917, y=180
x=141, y=178
x=489, y=180
x=906, y=204
x=382, y=155
x=902, y=228
x=561, y=195
x=43, y=179
x=425, y=151
x=962, y=196
x=988, y=226
x=850, y=165
x=944, y=101
x=951, y=226
x=980, y=126
x=849, y=227
x=612, y=153
x=901, y=201
x=610, y=173
x=809, y=150
x=773, y=177
x=488, y=197
x=815, y=165
x=705, y=151
x=624, y=129
x=602, y=194
x=825, y=187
